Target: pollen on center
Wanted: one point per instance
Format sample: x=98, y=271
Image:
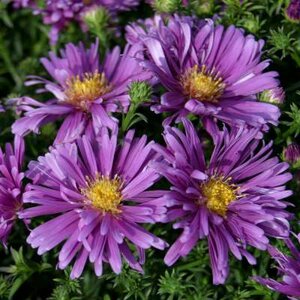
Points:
x=202, y=84
x=81, y=90
x=218, y=194
x=104, y=194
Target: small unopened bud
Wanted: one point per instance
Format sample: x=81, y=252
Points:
x=140, y=91
x=96, y=18
x=291, y=154
x=293, y=11
x=202, y=7
x=274, y=96
x=166, y=6
x=252, y=23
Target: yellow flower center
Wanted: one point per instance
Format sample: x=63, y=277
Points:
x=83, y=90
x=202, y=84
x=104, y=194
x=218, y=195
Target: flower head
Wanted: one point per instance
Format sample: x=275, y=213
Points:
x=99, y=190
x=293, y=11
x=84, y=91
x=208, y=70
x=289, y=269
x=233, y=200
x=11, y=160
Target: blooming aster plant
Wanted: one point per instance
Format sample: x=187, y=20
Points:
x=84, y=91
x=11, y=177
x=288, y=268
x=100, y=191
x=195, y=76
x=234, y=200
x=208, y=70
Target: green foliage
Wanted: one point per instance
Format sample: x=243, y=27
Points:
x=20, y=271
x=172, y=285
x=134, y=284
x=281, y=41
x=65, y=288
x=293, y=124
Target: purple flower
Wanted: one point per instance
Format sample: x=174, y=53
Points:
x=23, y=3
x=60, y=13
x=11, y=160
x=291, y=153
x=289, y=269
x=119, y=5
x=208, y=70
x=100, y=192
x=233, y=200
x=84, y=91
x=293, y=11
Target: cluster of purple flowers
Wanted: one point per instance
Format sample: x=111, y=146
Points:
x=60, y=13
x=97, y=188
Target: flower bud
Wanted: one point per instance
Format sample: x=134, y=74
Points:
x=293, y=11
x=140, y=91
x=166, y=6
x=274, y=96
x=291, y=154
x=96, y=18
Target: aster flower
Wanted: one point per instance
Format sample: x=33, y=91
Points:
x=84, y=91
x=291, y=153
x=234, y=200
x=100, y=191
x=293, y=11
x=11, y=160
x=210, y=71
x=288, y=268
x=138, y=31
